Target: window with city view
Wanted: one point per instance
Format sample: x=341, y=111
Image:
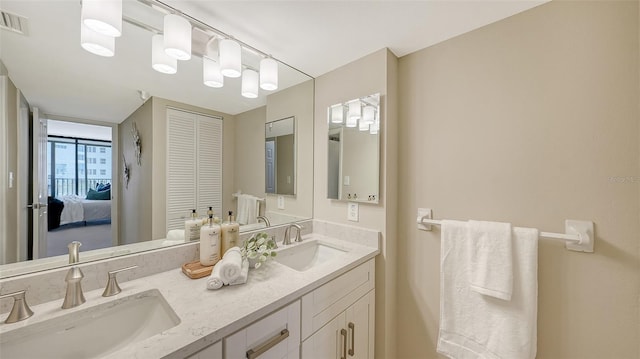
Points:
x=75, y=165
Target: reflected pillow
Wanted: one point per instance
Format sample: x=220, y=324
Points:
x=103, y=186
x=99, y=195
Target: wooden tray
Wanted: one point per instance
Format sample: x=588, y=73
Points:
x=195, y=270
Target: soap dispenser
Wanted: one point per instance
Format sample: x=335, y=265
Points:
x=192, y=227
x=209, y=243
x=230, y=233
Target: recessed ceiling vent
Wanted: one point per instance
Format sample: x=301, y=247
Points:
x=13, y=22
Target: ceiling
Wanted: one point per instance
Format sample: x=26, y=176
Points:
x=319, y=36
x=315, y=37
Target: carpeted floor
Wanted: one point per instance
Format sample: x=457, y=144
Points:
x=91, y=237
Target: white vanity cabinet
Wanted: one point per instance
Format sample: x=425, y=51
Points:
x=276, y=336
x=213, y=351
x=338, y=317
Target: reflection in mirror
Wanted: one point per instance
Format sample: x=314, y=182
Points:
x=354, y=150
x=45, y=74
x=280, y=159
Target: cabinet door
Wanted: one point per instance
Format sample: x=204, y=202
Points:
x=360, y=327
x=328, y=342
x=213, y=351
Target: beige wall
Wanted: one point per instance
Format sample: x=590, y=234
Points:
x=135, y=200
x=9, y=163
x=375, y=73
x=249, y=147
x=529, y=120
x=296, y=101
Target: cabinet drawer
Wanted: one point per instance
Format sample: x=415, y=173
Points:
x=320, y=306
x=276, y=336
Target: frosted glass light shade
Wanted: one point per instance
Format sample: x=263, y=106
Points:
x=268, y=74
x=368, y=115
x=96, y=43
x=177, y=37
x=249, y=83
x=230, y=58
x=337, y=114
x=374, y=128
x=160, y=61
x=354, y=110
x=103, y=16
x=362, y=126
x=211, y=75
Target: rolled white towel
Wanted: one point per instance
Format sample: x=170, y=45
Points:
x=244, y=274
x=176, y=235
x=231, y=265
x=215, y=281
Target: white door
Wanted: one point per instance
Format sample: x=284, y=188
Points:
x=39, y=205
x=270, y=165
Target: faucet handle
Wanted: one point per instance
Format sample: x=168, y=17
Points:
x=74, y=252
x=112, y=287
x=20, y=310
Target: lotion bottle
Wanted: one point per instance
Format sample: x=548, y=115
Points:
x=210, y=243
x=230, y=233
x=192, y=227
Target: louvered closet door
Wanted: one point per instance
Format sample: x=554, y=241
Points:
x=209, y=171
x=194, y=165
x=181, y=167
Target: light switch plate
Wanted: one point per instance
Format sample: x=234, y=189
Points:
x=424, y=212
x=347, y=181
x=352, y=212
x=280, y=202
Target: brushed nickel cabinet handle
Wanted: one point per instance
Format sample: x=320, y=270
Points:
x=352, y=327
x=254, y=353
x=343, y=333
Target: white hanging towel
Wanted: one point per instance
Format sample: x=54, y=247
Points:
x=247, y=209
x=473, y=325
x=491, y=259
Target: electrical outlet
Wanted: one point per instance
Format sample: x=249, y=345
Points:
x=280, y=202
x=352, y=212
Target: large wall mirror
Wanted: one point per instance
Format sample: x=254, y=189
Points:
x=280, y=156
x=113, y=123
x=354, y=150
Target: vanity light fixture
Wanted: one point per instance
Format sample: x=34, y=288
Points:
x=177, y=37
x=96, y=43
x=354, y=113
x=268, y=74
x=368, y=114
x=160, y=61
x=211, y=75
x=230, y=58
x=374, y=128
x=249, y=83
x=103, y=16
x=337, y=113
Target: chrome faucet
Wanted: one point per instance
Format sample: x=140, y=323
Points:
x=287, y=234
x=74, y=296
x=265, y=220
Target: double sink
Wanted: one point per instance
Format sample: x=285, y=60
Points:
x=108, y=327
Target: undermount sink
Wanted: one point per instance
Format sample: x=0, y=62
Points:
x=307, y=255
x=92, y=332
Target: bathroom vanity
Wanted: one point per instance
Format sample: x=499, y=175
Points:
x=321, y=308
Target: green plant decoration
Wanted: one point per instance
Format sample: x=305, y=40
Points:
x=259, y=248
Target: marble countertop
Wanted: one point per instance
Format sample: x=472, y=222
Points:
x=206, y=316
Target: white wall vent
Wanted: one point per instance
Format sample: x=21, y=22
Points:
x=13, y=22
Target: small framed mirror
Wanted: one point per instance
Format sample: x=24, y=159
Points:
x=280, y=156
x=354, y=150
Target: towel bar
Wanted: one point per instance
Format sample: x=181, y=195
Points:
x=579, y=235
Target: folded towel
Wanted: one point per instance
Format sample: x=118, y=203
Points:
x=231, y=265
x=244, y=274
x=473, y=325
x=214, y=281
x=247, y=209
x=491, y=259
